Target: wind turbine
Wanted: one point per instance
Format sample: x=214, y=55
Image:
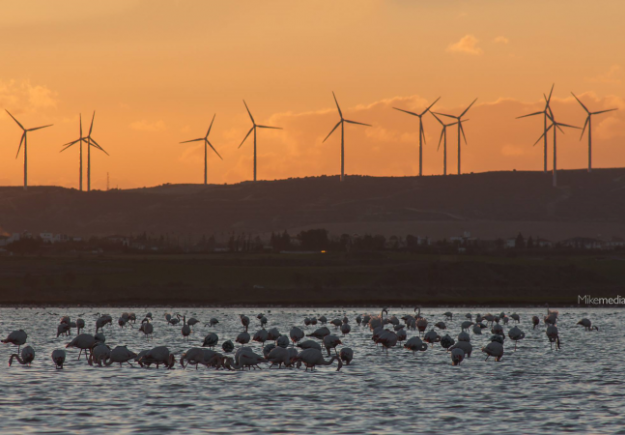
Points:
x=79, y=141
x=25, y=140
x=589, y=124
x=545, y=117
x=342, y=124
x=254, y=126
x=443, y=138
x=556, y=126
x=91, y=142
x=421, y=132
x=460, y=130
x=206, y=144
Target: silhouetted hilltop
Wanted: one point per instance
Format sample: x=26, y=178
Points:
x=492, y=204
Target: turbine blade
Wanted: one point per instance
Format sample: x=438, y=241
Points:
x=357, y=123
x=335, y=127
x=467, y=109
x=193, y=140
x=440, y=140
x=585, y=108
x=567, y=125
x=584, y=129
x=550, y=93
x=39, y=128
x=558, y=126
x=449, y=116
x=603, y=111
x=430, y=106
x=97, y=145
x=266, y=126
x=531, y=114
x=246, y=136
x=406, y=111
x=337, y=105
x=542, y=135
x=437, y=118
x=18, y=123
x=249, y=113
x=68, y=144
x=91, y=127
x=462, y=131
x=213, y=148
x=211, y=126
x=20, y=147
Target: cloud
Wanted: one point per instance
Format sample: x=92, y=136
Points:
x=467, y=44
x=144, y=125
x=501, y=40
x=22, y=96
x=611, y=77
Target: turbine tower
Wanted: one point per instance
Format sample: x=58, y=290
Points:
x=254, y=126
x=545, y=114
x=91, y=142
x=24, y=139
x=79, y=141
x=342, y=124
x=556, y=126
x=588, y=124
x=460, y=130
x=421, y=131
x=443, y=138
x=206, y=145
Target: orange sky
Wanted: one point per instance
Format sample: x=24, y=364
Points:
x=156, y=71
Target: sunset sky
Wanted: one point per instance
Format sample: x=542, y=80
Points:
x=156, y=72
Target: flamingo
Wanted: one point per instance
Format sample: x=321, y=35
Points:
x=245, y=357
x=261, y=336
x=449, y=315
x=17, y=338
x=457, y=356
x=268, y=348
x=80, y=325
x=401, y=334
x=358, y=319
x=515, y=335
x=211, y=340
x=587, y=324
x=192, y=321
x=415, y=344
x=83, y=342
x=186, y=329
x=158, y=355
x=494, y=348
x=535, y=322
x=263, y=321
x=464, y=345
x=552, y=335
x=58, y=356
x=345, y=328
x=309, y=344
x=313, y=321
x=102, y=321
x=477, y=329
x=440, y=325
x=331, y=341
x=320, y=333
x=497, y=329
x=337, y=323
x=515, y=317
x=323, y=319
x=313, y=357
x=466, y=324
x=431, y=337
x=28, y=355
x=307, y=321
x=146, y=327
x=387, y=339
x=100, y=353
x=422, y=324
x=120, y=355
x=62, y=329
x=273, y=334
x=282, y=341
x=213, y=321
x=347, y=355
x=464, y=336
x=279, y=355
x=245, y=321
x=243, y=338
x=296, y=334
x=193, y=356
x=447, y=341
x=227, y=346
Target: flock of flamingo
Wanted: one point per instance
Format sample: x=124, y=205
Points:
x=292, y=351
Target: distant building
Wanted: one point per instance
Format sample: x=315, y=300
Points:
x=583, y=243
x=118, y=240
x=616, y=243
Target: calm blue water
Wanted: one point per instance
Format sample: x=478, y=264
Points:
x=533, y=390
